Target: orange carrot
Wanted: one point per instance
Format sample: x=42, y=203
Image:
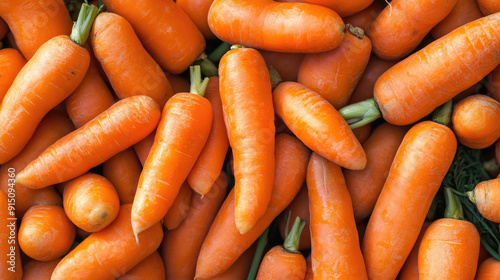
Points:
x=486, y=196
x=488, y=270
x=180, y=208
x=197, y=10
x=287, y=64
x=11, y=62
x=489, y=7
x=493, y=84
x=410, y=268
x=239, y=269
x=37, y=270
x=299, y=207
x=10, y=260
x=122, y=125
x=123, y=171
x=151, y=268
x=344, y=8
x=464, y=12
x=365, y=17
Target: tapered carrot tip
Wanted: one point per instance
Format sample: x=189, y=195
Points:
x=244, y=222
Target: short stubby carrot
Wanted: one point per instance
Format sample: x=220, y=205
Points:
x=416, y=173
x=409, y=271
x=287, y=64
x=197, y=10
x=10, y=255
x=342, y=7
x=150, y=268
x=486, y=196
x=313, y=28
x=493, y=84
x=464, y=12
x=403, y=92
x=122, y=125
x=37, y=270
x=123, y=171
x=166, y=32
x=318, y=125
x=180, y=208
x=11, y=62
x=128, y=66
x=247, y=102
x=489, y=7
x=402, y=25
x=488, y=270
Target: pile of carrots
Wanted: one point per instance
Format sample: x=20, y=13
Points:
x=230, y=139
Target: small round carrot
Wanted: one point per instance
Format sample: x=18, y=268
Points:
x=287, y=64
x=111, y=252
x=342, y=7
x=318, y=125
x=180, y=208
x=493, y=84
x=4, y=28
x=143, y=147
x=489, y=7
x=334, y=256
x=365, y=17
x=488, y=270
x=365, y=185
x=239, y=269
x=123, y=171
x=299, y=207
x=334, y=74
x=150, y=268
x=313, y=28
x=486, y=196
x=39, y=270
x=178, y=83
x=197, y=10
x=10, y=255
x=46, y=233
x=464, y=12
x=11, y=62
x=475, y=121
x=122, y=125
x=409, y=271
x=128, y=66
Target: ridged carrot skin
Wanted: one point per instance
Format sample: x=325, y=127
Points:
x=197, y=10
x=111, y=252
x=488, y=270
x=6, y=246
x=489, y=7
x=279, y=263
x=122, y=125
x=449, y=250
x=35, y=22
x=342, y=7
x=493, y=84
x=224, y=243
x=334, y=256
x=37, y=270
x=247, y=102
x=466, y=55
x=464, y=12
x=318, y=125
x=150, y=268
x=167, y=33
x=11, y=62
x=416, y=173
x=314, y=28
x=40, y=85
x=409, y=271
x=486, y=196
x=123, y=171
x=180, y=208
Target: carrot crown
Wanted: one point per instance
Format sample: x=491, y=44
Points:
x=442, y=114
x=292, y=238
x=275, y=76
x=361, y=113
x=197, y=85
x=82, y=26
x=453, y=206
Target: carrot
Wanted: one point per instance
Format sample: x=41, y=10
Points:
x=150, y=268
x=37, y=270
x=114, y=130
x=475, y=121
x=178, y=83
x=486, y=197
x=299, y=207
x=224, y=243
x=180, y=208
x=334, y=256
x=111, y=252
x=4, y=29
x=493, y=84
x=287, y=64
x=181, y=246
x=410, y=268
x=181, y=134
x=245, y=90
x=489, y=7
x=239, y=269
x=10, y=261
x=416, y=173
x=488, y=270
x=365, y=185
x=334, y=74
x=343, y=8
x=402, y=25
x=464, y=12
x=11, y=62
x=129, y=68
x=143, y=147
x=365, y=17
x=197, y=10
x=123, y=171
x=314, y=29
x=309, y=272
x=34, y=23
x=318, y=125
x=176, y=44
x=362, y=133
x=209, y=164
x=46, y=233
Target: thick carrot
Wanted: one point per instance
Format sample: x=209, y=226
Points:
x=334, y=256
x=128, y=66
x=488, y=7
x=402, y=25
x=464, y=12
x=37, y=270
x=111, y=252
x=493, y=84
x=34, y=23
x=10, y=258
x=46, y=233
x=486, y=196
x=342, y=7
x=334, y=74
x=11, y=62
x=318, y=125
x=224, y=243
x=409, y=271
x=181, y=246
x=299, y=207
x=180, y=207
x=197, y=10
x=122, y=125
x=488, y=270
x=176, y=44
x=245, y=90
x=313, y=28
x=365, y=185
x=287, y=64
x=364, y=18
x=416, y=173
x=143, y=147
x=209, y=164
x=150, y=268
x=123, y=171
x=4, y=28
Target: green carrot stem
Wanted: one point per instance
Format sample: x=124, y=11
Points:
x=361, y=113
x=82, y=26
x=197, y=85
x=442, y=114
x=258, y=255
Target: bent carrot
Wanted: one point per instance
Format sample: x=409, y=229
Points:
x=123, y=171
x=11, y=62
x=37, y=270
x=197, y=10
x=180, y=208
x=493, y=84
x=464, y=12
x=150, y=268
x=122, y=125
x=488, y=270
x=299, y=207
x=343, y=8
x=287, y=64
x=10, y=256
x=486, y=196
x=409, y=271
x=488, y=7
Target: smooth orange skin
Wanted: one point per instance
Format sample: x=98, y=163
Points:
x=449, y=250
x=239, y=269
x=364, y=18
x=143, y=147
x=266, y=25
x=35, y=22
x=299, y=207
x=180, y=136
x=475, y=121
x=287, y=64
x=278, y=263
x=464, y=12
x=150, y=268
x=487, y=195
x=318, y=125
x=224, y=244
x=488, y=270
x=46, y=233
x=111, y=252
x=334, y=256
x=335, y=74
x=489, y=7
x=39, y=270
x=122, y=125
x=365, y=185
x=465, y=56
x=128, y=66
x=166, y=32
x=402, y=25
x=247, y=102
x=342, y=7
x=181, y=246
x=410, y=268
x=179, y=209
x=209, y=164
x=197, y=10
x=55, y=71
x=4, y=29
x=5, y=246
x=123, y=171
x=493, y=84
x=11, y=62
